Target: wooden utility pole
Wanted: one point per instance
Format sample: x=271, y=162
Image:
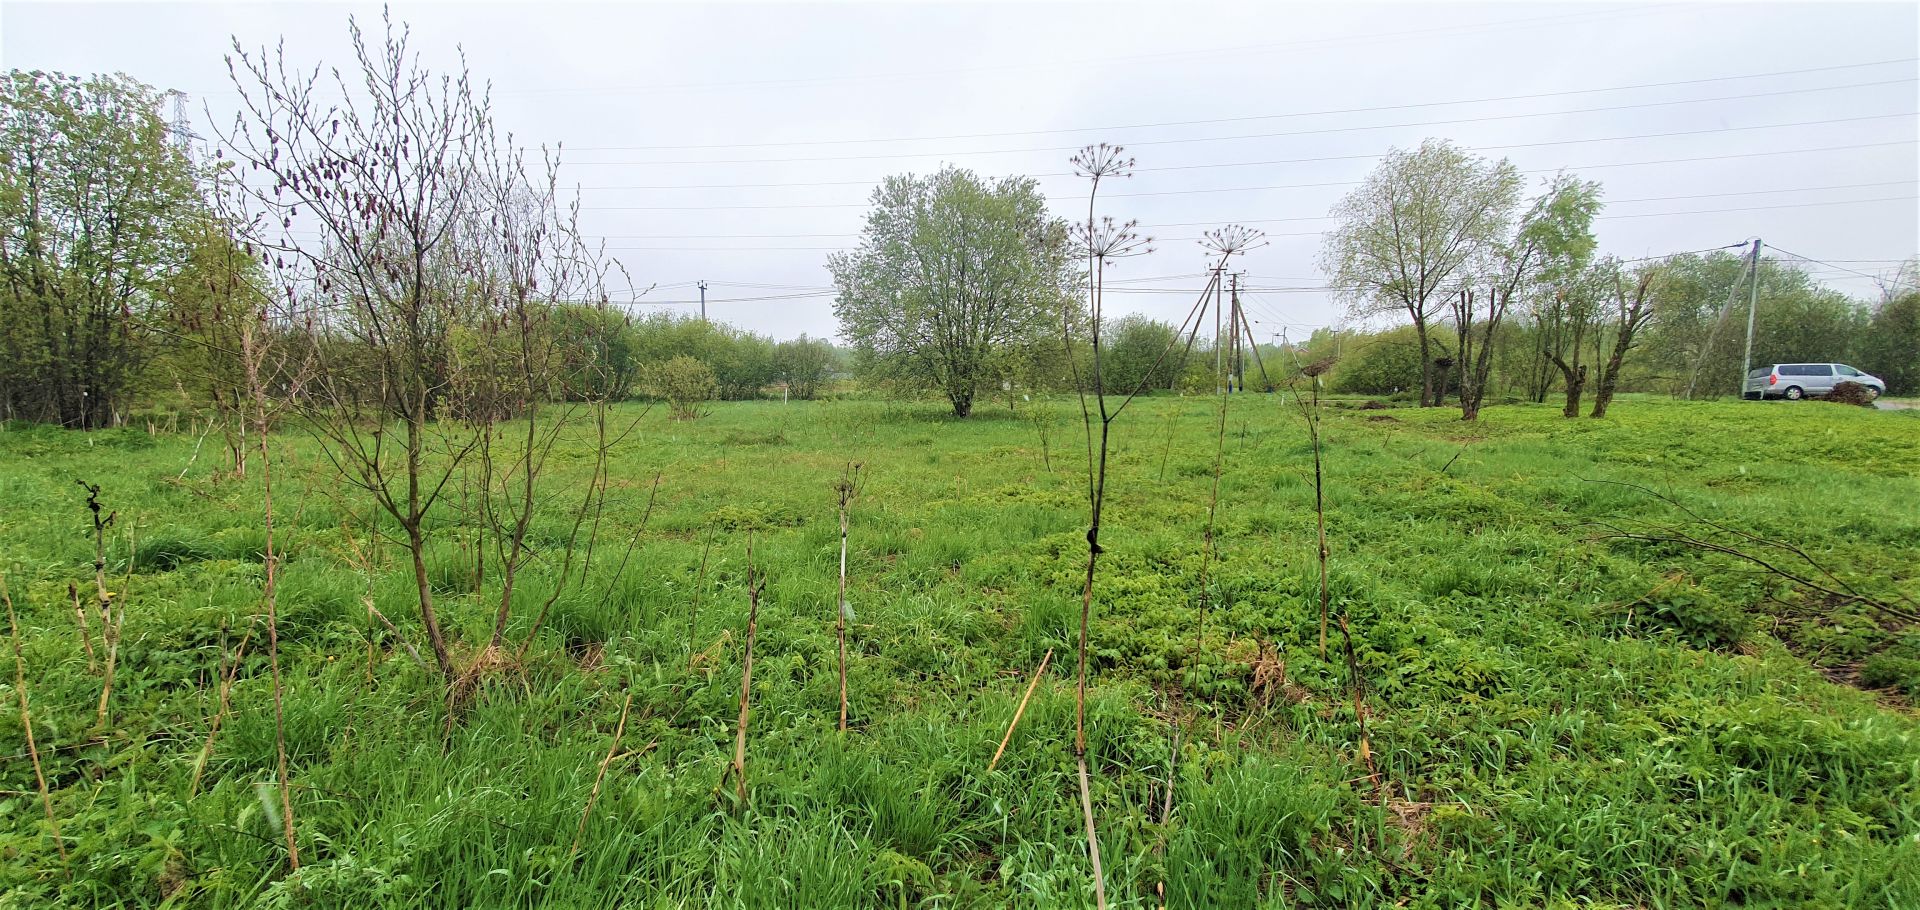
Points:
x=1219, y=343
x=1753, y=306
x=703, y=300
x=1238, y=378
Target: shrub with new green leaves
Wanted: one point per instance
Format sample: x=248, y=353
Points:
x=684, y=383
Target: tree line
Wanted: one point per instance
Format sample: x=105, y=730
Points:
x=960, y=285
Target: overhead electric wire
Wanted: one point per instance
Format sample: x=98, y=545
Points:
x=1291, y=114
x=1370, y=37
x=1244, y=189
x=1040, y=149
x=1825, y=263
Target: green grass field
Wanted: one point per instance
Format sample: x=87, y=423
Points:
x=1561, y=720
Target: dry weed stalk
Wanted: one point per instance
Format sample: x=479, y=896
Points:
x=224, y=706
x=1103, y=240
x=1022, y=709
x=847, y=489
x=699, y=586
x=738, y=770
x=26, y=722
x=1358, y=684
x=80, y=617
x=1311, y=410
x=254, y=352
x=593, y=797
x=110, y=618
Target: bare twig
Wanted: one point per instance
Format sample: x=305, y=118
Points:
x=1022, y=709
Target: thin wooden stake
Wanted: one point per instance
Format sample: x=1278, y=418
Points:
x=618, y=731
x=1017, y=712
x=26, y=722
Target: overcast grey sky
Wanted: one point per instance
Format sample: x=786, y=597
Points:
x=737, y=143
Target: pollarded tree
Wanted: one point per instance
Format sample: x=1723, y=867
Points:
x=1414, y=229
x=1554, y=240
x=1629, y=311
x=950, y=270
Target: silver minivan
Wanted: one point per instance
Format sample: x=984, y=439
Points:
x=1794, y=381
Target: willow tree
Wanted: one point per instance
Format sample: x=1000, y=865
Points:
x=951, y=271
x=1413, y=231
x=1553, y=241
x=97, y=209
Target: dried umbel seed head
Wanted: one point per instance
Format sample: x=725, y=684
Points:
x=1110, y=239
x=1319, y=367
x=1102, y=161
x=1232, y=240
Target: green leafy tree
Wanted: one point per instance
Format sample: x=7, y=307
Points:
x=683, y=383
x=596, y=350
x=1136, y=352
x=951, y=270
x=1890, y=348
x=803, y=364
x=1798, y=320
x=1554, y=240
x=1413, y=231
x=97, y=212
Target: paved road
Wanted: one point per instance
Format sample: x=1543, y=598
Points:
x=1885, y=405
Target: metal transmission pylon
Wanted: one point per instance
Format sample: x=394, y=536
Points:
x=182, y=128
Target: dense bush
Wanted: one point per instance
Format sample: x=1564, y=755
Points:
x=1384, y=363
x=684, y=383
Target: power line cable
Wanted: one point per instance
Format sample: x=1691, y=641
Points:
x=1294, y=114
x=1371, y=37
x=1032, y=150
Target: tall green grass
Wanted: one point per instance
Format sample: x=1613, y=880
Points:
x=1563, y=720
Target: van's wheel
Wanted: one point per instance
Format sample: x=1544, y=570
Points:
x=1793, y=393
x=1873, y=391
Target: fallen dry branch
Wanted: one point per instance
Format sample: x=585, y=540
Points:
x=1834, y=587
